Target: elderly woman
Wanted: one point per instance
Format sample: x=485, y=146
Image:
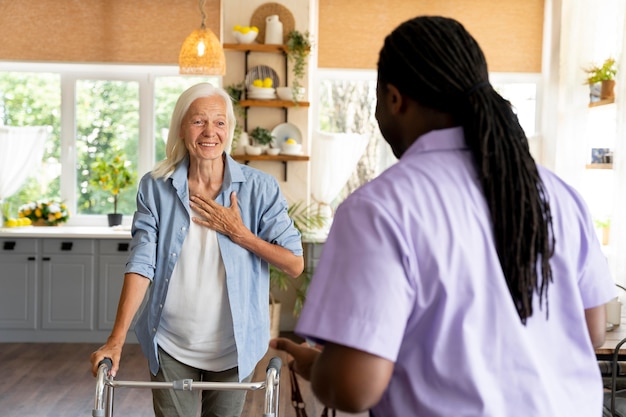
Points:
x=204, y=233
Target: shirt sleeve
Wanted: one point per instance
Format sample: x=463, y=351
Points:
x=142, y=257
x=595, y=282
x=361, y=294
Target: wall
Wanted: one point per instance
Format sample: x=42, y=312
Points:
x=113, y=31
x=351, y=32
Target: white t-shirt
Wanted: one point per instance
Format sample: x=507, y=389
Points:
x=196, y=327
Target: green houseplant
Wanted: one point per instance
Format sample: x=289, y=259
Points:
x=306, y=219
x=605, y=226
x=298, y=48
x=113, y=175
x=261, y=136
x=604, y=75
x=235, y=91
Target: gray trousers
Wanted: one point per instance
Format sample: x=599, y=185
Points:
x=169, y=402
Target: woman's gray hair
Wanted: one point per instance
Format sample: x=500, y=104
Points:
x=175, y=149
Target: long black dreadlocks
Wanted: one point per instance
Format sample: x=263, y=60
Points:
x=435, y=61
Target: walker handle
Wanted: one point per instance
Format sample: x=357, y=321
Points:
x=106, y=361
x=275, y=363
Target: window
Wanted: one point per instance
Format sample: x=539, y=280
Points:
x=91, y=109
x=34, y=99
x=347, y=101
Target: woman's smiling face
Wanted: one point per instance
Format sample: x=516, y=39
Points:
x=204, y=128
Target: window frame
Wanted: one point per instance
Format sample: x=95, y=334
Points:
x=144, y=75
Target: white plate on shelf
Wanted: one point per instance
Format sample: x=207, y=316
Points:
x=284, y=131
x=261, y=72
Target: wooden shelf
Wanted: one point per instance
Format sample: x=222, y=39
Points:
x=273, y=103
x=273, y=158
x=255, y=47
x=281, y=158
x=599, y=166
x=602, y=102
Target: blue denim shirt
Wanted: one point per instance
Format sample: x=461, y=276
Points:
x=160, y=226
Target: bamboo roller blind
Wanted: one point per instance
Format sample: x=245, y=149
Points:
x=351, y=32
x=510, y=32
x=113, y=31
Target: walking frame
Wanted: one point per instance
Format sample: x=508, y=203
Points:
x=105, y=385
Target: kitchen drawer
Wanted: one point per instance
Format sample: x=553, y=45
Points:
x=114, y=246
x=68, y=246
x=11, y=245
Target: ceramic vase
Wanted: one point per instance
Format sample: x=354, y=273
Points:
x=273, y=30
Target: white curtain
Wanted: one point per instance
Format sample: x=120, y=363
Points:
x=21, y=151
x=590, y=31
x=334, y=157
x=617, y=246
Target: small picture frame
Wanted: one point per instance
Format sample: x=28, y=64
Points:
x=601, y=156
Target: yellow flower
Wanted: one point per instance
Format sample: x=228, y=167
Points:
x=38, y=212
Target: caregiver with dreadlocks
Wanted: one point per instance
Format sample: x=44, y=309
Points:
x=464, y=280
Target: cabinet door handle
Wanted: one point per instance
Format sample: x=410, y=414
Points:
x=66, y=246
x=122, y=247
x=31, y=258
x=45, y=258
x=9, y=245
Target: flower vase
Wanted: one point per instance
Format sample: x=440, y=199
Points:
x=41, y=222
x=607, y=90
x=273, y=30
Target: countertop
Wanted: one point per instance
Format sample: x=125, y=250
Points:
x=95, y=232
x=76, y=232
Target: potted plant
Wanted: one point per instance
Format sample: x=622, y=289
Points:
x=605, y=226
x=305, y=219
x=603, y=75
x=50, y=212
x=235, y=91
x=112, y=174
x=262, y=137
x=298, y=48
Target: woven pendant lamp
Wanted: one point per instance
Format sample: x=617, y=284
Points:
x=202, y=53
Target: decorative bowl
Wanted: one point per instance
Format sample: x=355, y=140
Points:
x=286, y=93
x=291, y=148
x=253, y=150
x=272, y=151
x=245, y=37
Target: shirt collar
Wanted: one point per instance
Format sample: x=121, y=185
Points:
x=439, y=140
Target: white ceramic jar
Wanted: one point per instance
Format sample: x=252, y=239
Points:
x=273, y=30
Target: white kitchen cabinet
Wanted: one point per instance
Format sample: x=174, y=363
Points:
x=18, y=283
x=57, y=288
x=112, y=256
x=67, y=284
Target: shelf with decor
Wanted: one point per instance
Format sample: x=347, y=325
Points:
x=599, y=166
x=274, y=103
x=602, y=102
x=275, y=158
x=255, y=47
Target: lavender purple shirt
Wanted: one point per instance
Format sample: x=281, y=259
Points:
x=409, y=272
